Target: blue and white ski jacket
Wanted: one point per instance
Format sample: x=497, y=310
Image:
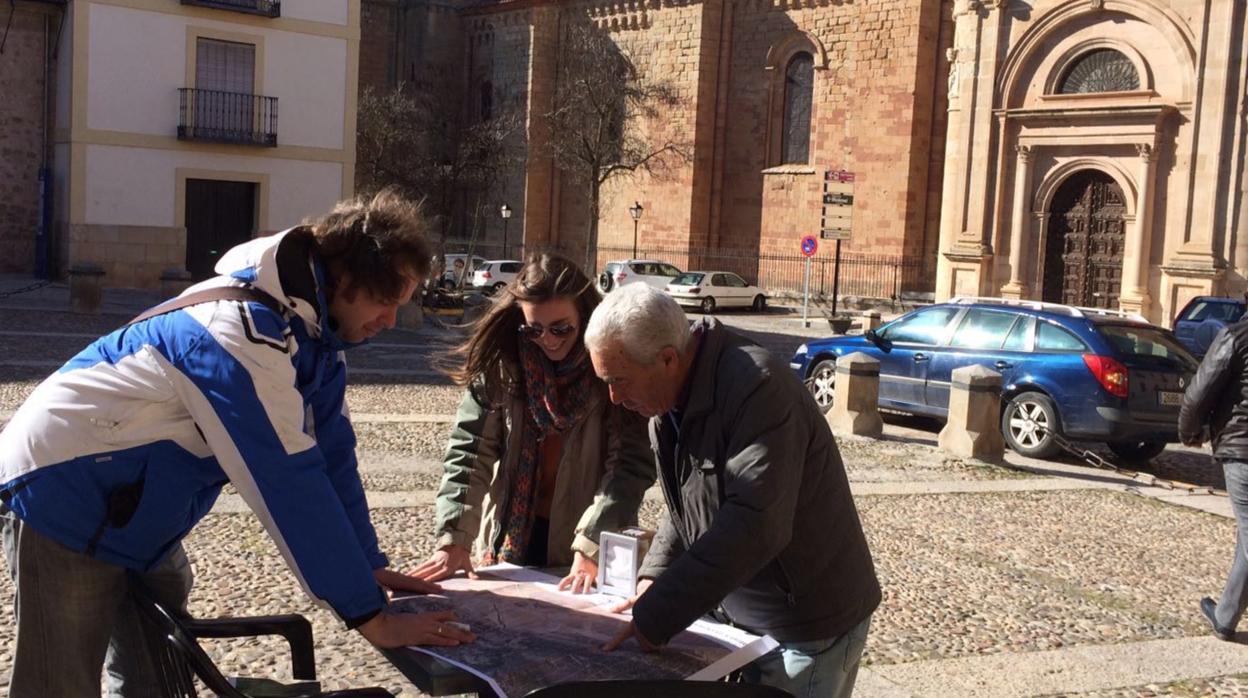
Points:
x=126, y=447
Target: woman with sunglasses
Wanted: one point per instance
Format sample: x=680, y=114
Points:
x=540, y=462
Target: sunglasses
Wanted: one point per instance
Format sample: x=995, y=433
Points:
x=535, y=331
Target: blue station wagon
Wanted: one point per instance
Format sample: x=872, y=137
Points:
x=1088, y=374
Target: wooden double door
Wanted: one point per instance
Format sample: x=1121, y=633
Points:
x=1084, y=246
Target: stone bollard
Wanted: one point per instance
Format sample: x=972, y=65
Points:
x=870, y=319
x=857, y=392
x=86, y=281
x=973, y=429
x=411, y=315
x=174, y=281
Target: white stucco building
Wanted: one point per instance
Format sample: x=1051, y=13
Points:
x=183, y=127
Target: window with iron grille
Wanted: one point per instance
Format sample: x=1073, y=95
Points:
x=222, y=106
x=1102, y=70
x=265, y=8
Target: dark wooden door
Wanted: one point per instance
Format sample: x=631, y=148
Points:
x=1083, y=251
x=219, y=215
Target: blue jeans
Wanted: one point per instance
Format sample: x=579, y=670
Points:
x=815, y=669
x=1235, y=595
x=74, y=616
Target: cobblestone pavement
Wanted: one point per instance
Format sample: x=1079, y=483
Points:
x=964, y=574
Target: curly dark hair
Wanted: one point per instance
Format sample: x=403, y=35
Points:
x=378, y=242
x=491, y=355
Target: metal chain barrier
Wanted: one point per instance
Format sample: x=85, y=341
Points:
x=1096, y=460
x=25, y=289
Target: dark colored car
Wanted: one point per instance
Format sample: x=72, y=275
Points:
x=1088, y=374
x=1202, y=318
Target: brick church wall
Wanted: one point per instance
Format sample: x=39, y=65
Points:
x=872, y=114
x=21, y=139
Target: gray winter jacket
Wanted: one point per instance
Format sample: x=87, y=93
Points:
x=760, y=518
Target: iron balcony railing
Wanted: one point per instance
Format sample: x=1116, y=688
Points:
x=264, y=8
x=226, y=117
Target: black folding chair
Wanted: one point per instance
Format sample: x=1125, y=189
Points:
x=673, y=688
x=180, y=660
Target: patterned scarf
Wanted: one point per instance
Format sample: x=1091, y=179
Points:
x=556, y=398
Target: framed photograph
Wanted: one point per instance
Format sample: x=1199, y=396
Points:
x=619, y=560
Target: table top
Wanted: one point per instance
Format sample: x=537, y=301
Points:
x=435, y=676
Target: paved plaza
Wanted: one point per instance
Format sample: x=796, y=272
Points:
x=1032, y=578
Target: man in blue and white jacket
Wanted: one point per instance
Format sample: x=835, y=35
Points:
x=113, y=459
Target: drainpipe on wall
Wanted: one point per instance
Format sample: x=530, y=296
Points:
x=43, y=232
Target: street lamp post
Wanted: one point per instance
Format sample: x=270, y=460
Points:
x=635, y=211
x=505, y=212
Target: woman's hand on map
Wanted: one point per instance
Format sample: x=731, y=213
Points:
x=642, y=585
x=405, y=629
x=445, y=563
x=630, y=630
x=582, y=577
x=397, y=581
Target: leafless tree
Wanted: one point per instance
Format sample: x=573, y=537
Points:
x=605, y=111
x=414, y=138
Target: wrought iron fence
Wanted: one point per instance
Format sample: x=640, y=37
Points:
x=265, y=8
x=863, y=276
x=226, y=117
x=877, y=277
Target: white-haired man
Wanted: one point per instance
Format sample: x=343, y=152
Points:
x=761, y=528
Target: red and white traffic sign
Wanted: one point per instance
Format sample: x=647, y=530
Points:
x=810, y=245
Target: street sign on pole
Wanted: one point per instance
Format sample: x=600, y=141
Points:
x=838, y=218
x=809, y=245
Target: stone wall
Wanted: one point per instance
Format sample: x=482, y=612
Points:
x=21, y=138
x=133, y=256
x=874, y=104
x=879, y=110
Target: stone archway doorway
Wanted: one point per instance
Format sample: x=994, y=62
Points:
x=1083, y=248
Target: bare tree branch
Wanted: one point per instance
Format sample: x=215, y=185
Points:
x=604, y=108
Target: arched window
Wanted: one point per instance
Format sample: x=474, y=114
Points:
x=799, y=85
x=1102, y=70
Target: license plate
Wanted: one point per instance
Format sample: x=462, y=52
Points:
x=1169, y=398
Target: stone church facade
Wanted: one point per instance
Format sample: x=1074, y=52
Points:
x=1096, y=152
x=1080, y=151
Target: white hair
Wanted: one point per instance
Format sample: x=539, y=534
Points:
x=639, y=319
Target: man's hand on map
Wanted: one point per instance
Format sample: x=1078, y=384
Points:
x=582, y=577
x=397, y=581
x=406, y=629
x=630, y=630
x=445, y=563
x=642, y=585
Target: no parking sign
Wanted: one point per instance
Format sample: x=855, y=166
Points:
x=810, y=245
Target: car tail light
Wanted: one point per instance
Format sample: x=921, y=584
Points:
x=486, y=275
x=1110, y=373
x=620, y=276
x=695, y=289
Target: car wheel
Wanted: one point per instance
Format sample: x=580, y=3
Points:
x=708, y=305
x=760, y=303
x=605, y=282
x=446, y=284
x=1136, y=451
x=498, y=287
x=822, y=384
x=1028, y=423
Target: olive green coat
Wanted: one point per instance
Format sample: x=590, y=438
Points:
x=605, y=468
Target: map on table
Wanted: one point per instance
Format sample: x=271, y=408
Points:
x=530, y=635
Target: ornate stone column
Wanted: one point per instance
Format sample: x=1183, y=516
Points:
x=1133, y=296
x=1019, y=223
